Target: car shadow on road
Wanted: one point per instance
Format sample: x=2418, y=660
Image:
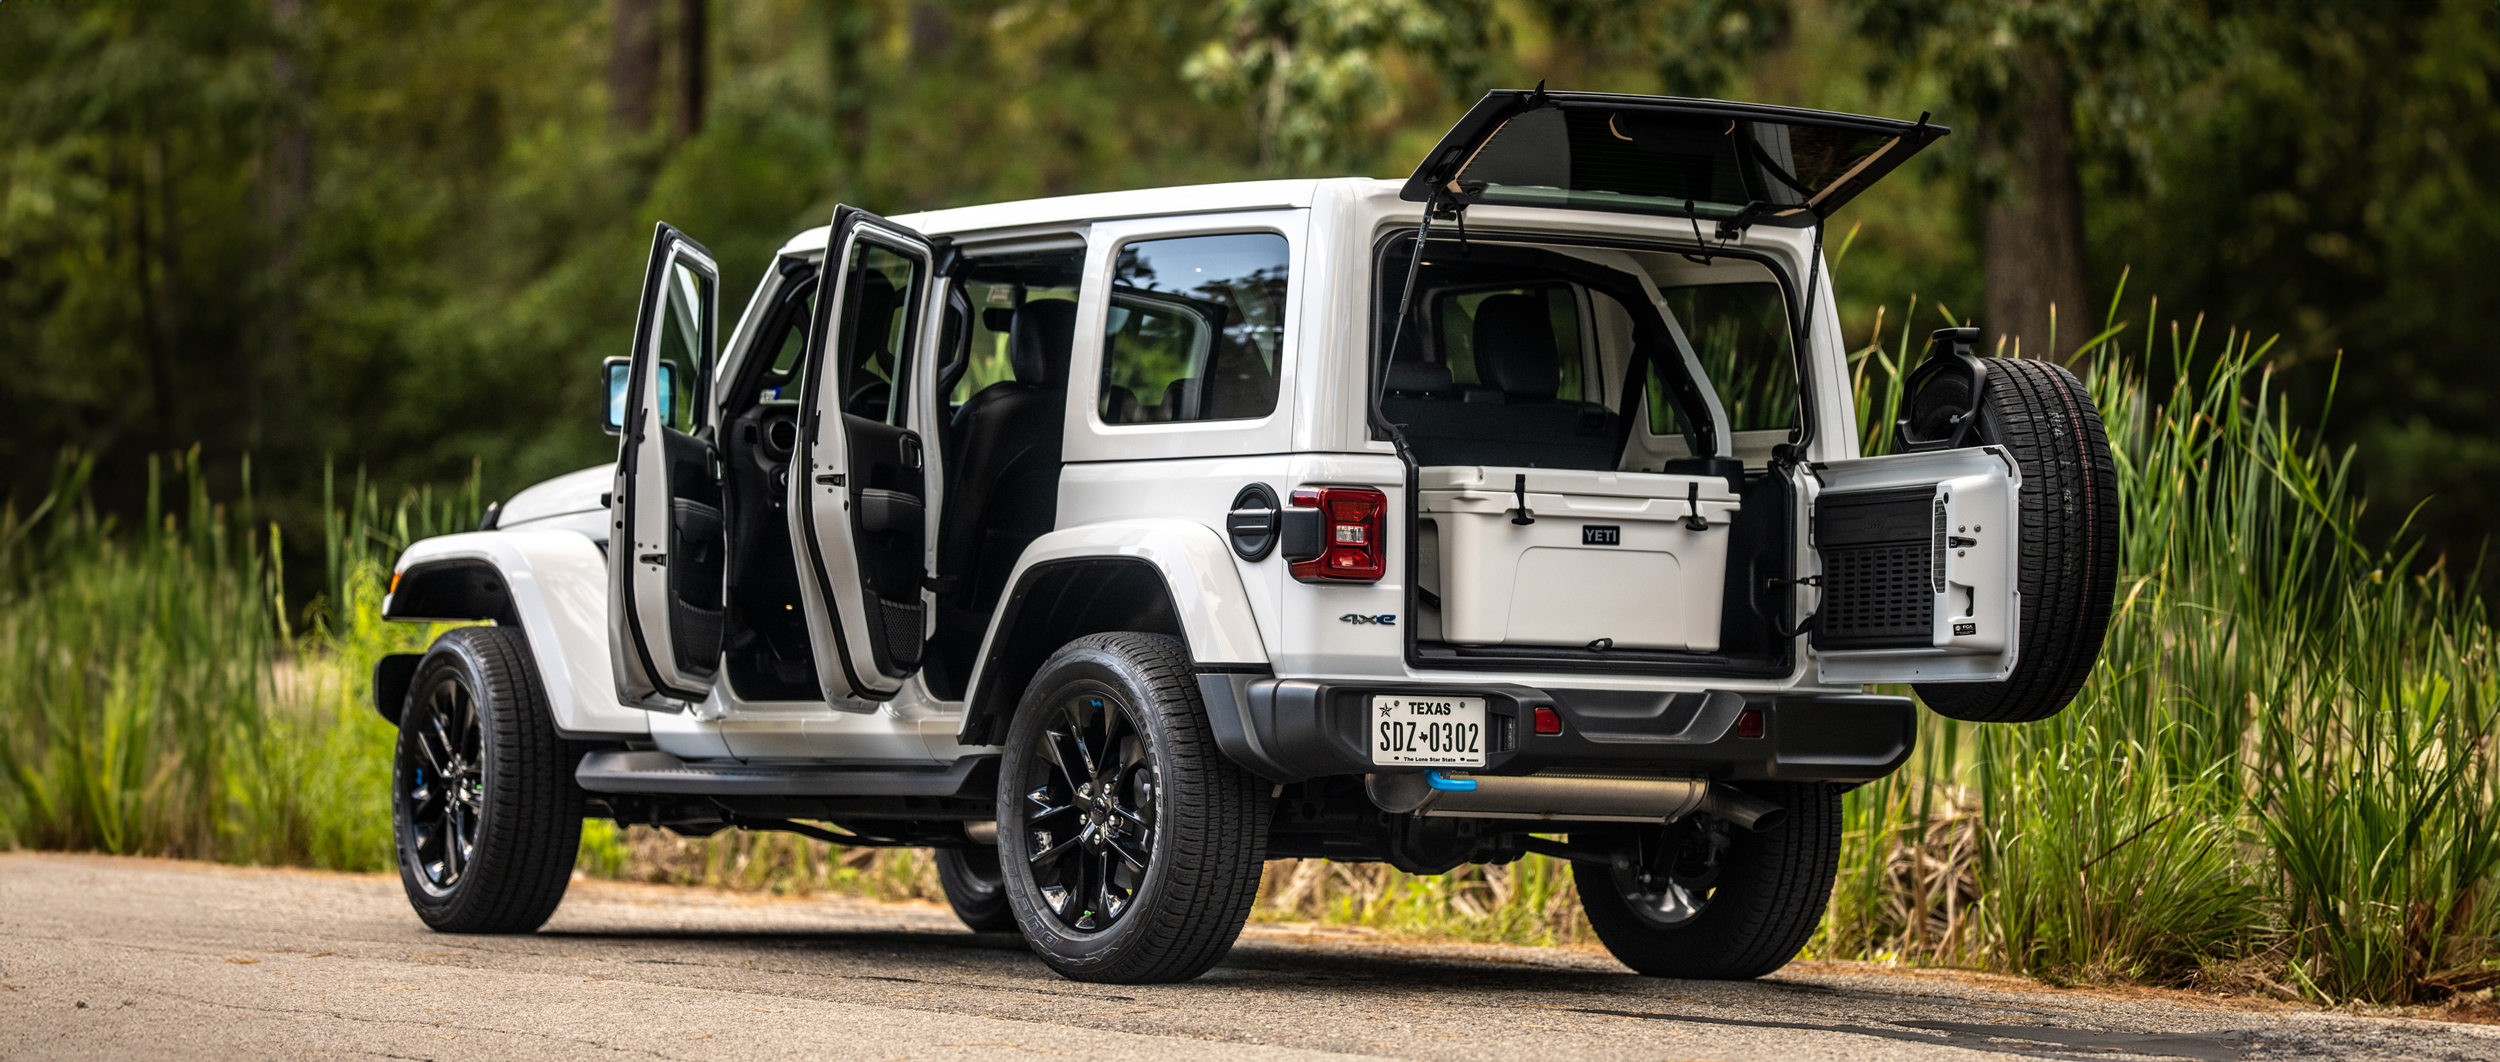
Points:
x=1503, y=980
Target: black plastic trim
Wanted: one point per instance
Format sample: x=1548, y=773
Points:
x=1291, y=730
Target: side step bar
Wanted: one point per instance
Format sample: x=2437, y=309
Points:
x=1586, y=798
x=651, y=771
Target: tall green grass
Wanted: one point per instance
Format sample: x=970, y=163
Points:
x=2281, y=775
x=2282, y=770
x=158, y=696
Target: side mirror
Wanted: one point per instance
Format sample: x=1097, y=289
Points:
x=614, y=375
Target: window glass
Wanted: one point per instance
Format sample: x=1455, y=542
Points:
x=1562, y=312
x=879, y=291
x=682, y=348
x=1195, y=329
x=1741, y=334
x=995, y=303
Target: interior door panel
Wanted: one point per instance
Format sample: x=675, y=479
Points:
x=667, y=539
x=858, y=500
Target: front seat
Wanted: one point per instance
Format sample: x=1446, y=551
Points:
x=1004, y=489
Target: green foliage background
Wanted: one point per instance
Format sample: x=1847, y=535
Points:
x=400, y=234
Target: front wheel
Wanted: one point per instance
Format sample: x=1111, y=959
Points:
x=1130, y=846
x=483, y=802
x=1701, y=898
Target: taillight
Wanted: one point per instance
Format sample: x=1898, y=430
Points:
x=1351, y=539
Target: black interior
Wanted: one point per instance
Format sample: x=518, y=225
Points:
x=765, y=646
x=1002, y=448
x=1512, y=417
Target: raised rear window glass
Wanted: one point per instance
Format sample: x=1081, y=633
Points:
x=1656, y=162
x=1741, y=334
x=1195, y=329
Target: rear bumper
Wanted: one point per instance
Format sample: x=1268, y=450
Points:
x=1289, y=730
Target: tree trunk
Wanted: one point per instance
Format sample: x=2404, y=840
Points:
x=634, y=63
x=286, y=194
x=692, y=70
x=2032, y=231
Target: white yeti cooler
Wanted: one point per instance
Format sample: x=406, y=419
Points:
x=1635, y=560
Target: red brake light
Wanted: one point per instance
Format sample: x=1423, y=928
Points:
x=1353, y=548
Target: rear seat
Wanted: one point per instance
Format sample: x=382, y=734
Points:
x=1513, y=419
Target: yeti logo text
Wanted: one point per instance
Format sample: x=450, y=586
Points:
x=1358, y=619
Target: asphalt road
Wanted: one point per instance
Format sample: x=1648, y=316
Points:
x=138, y=959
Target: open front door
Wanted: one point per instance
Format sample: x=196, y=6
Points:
x=857, y=513
x=1919, y=557
x=665, y=535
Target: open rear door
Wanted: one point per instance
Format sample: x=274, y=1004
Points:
x=665, y=534
x=858, y=512
x=1919, y=559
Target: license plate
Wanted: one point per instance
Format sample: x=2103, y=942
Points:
x=1428, y=731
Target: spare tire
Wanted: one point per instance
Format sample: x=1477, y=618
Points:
x=2045, y=417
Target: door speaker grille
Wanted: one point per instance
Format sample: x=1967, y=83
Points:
x=1881, y=557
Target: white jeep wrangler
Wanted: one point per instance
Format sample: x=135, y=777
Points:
x=1114, y=544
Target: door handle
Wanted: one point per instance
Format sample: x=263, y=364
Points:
x=911, y=451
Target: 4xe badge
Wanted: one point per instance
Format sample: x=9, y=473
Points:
x=1360, y=620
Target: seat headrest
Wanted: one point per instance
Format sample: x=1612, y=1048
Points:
x=1039, y=340
x=1418, y=378
x=877, y=302
x=1515, y=346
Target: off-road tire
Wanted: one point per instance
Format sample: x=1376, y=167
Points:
x=970, y=877
x=2068, y=542
x=1210, y=818
x=528, y=817
x=1772, y=888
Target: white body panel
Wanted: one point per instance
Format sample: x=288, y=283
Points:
x=559, y=586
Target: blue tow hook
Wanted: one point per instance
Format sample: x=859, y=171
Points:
x=1449, y=785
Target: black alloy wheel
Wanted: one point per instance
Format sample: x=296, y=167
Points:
x=1089, y=826
x=483, y=802
x=1705, y=899
x=1129, y=846
x=442, y=783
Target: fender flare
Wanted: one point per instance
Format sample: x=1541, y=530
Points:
x=553, y=585
x=1208, y=604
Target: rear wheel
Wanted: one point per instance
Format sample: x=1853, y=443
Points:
x=483, y=803
x=1701, y=898
x=2046, y=419
x=1130, y=846
x=974, y=889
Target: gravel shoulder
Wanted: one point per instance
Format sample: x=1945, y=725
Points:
x=130, y=958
